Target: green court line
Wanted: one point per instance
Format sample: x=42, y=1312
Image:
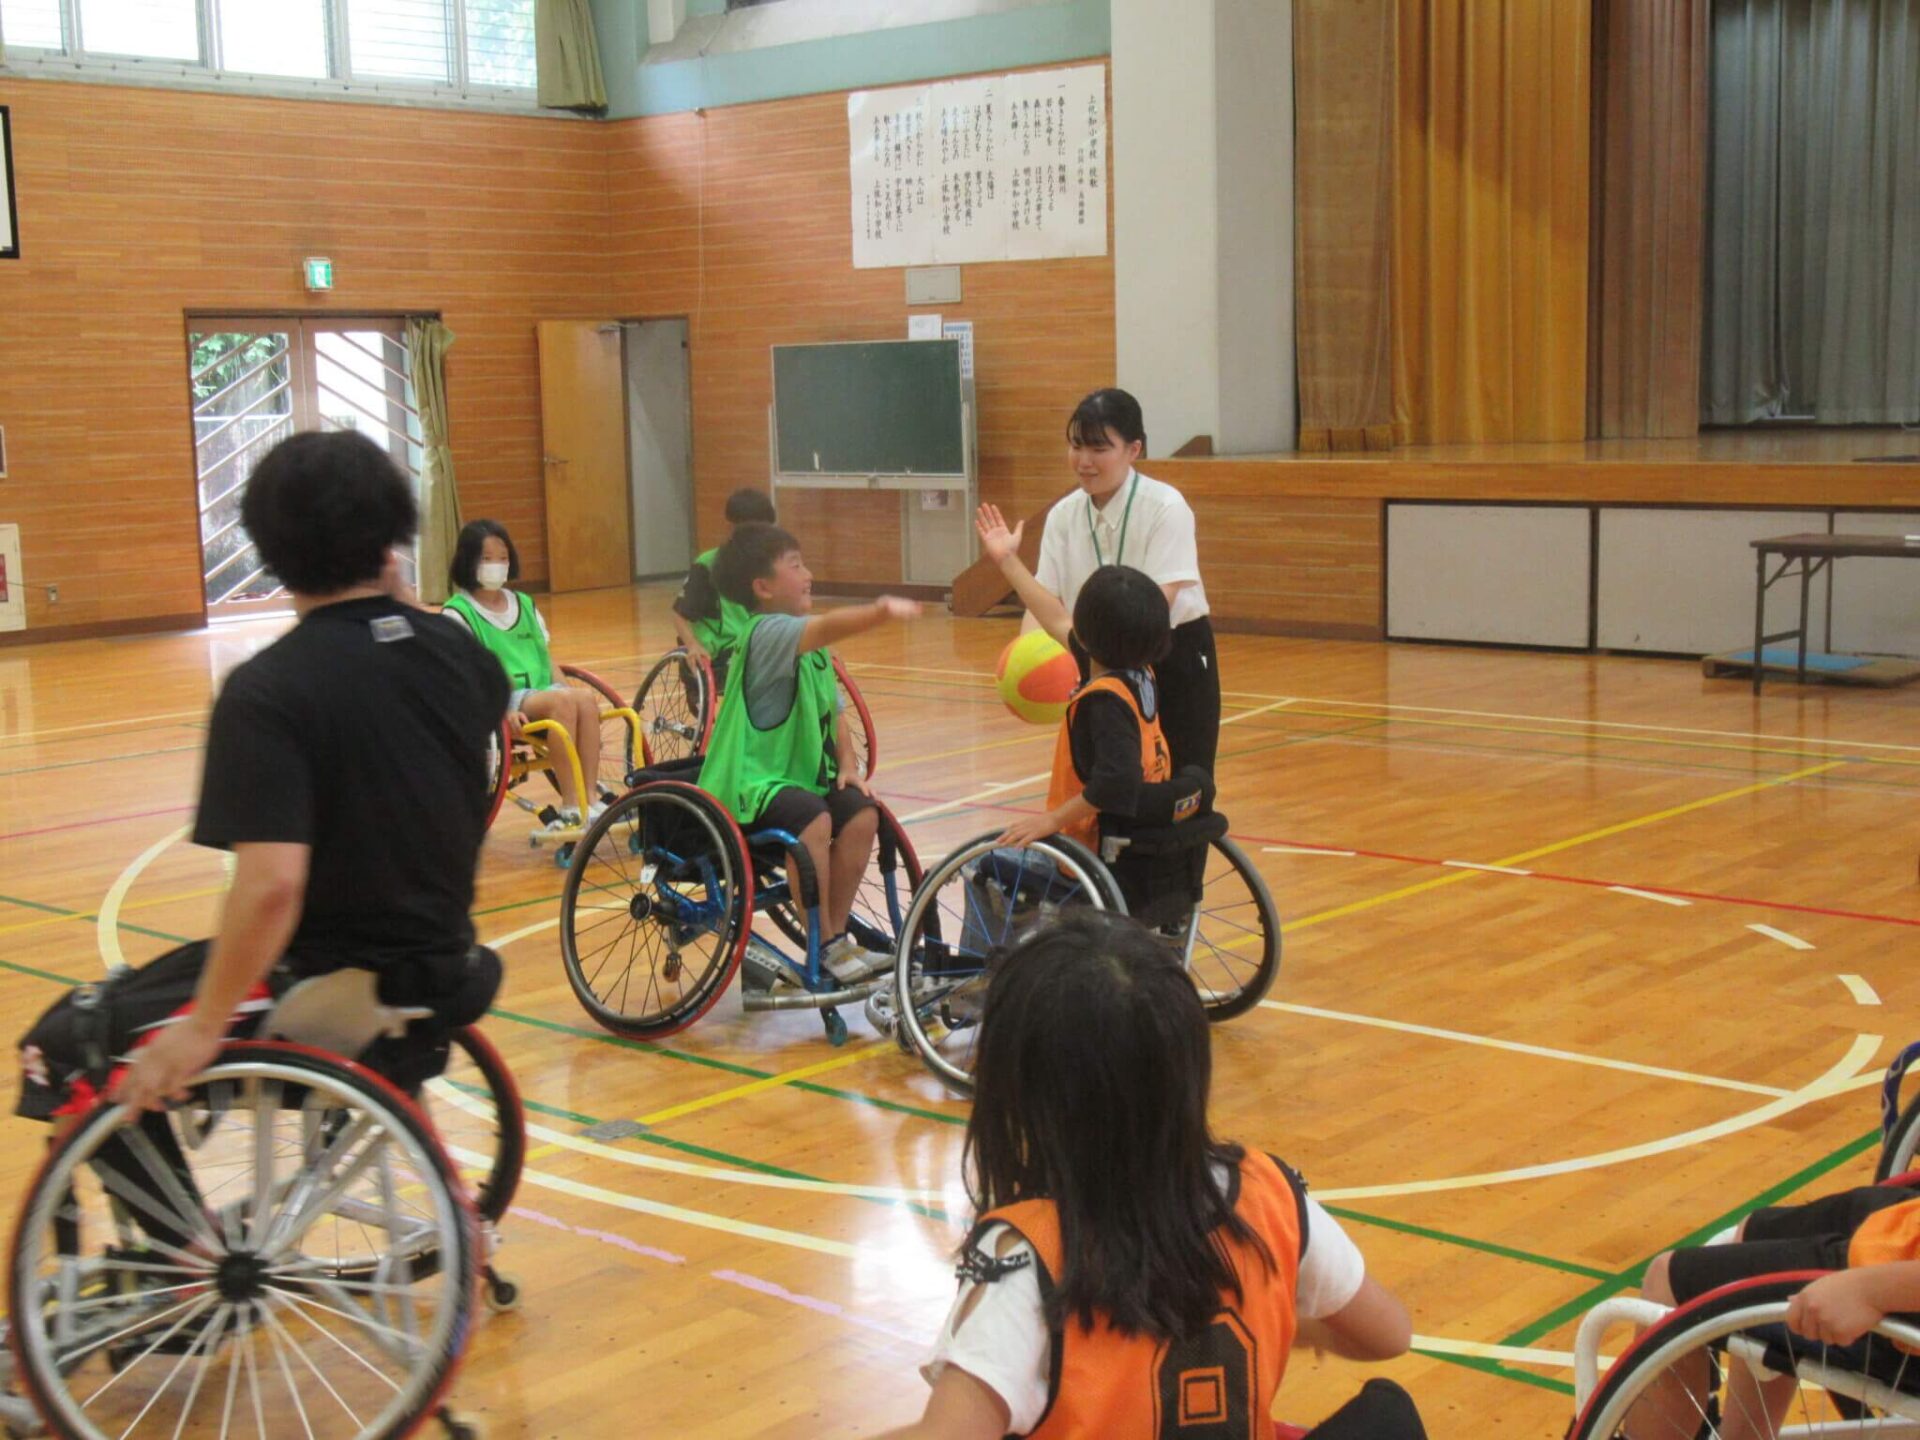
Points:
x=67, y=914
x=1466, y=1242
x=1632, y=1276
x=705, y=1152
x=515, y=905
x=1505, y=1372
x=103, y=760
x=647, y=1047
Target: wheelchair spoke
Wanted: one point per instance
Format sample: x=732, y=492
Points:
x=211, y=1335
x=273, y=1333
x=187, y=1310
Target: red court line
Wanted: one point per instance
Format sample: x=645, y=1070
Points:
x=1746, y=900
x=102, y=820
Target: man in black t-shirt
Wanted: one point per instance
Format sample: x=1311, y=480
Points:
x=346, y=771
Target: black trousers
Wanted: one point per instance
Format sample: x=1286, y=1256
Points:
x=1381, y=1411
x=1190, y=696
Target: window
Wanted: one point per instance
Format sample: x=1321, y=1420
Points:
x=274, y=37
x=466, y=47
x=163, y=29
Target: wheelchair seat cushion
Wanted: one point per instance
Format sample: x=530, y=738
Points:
x=686, y=770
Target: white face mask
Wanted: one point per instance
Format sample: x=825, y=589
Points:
x=492, y=577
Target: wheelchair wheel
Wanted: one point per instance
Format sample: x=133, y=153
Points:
x=879, y=912
x=499, y=763
x=1687, y=1376
x=858, y=719
x=656, y=910
x=978, y=899
x=476, y=1111
x=206, y=1294
x=1898, y=1145
x=618, y=747
x=675, y=706
x=1235, y=951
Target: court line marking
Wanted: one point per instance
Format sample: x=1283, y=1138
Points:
x=94, y=915
x=1792, y=942
x=1518, y=1047
x=90, y=824
x=1603, y=833
x=1653, y=895
x=1491, y=869
x=1827, y=744
x=107, y=918
x=1511, y=1354
x=744, y=1229
x=1305, y=850
x=16, y=742
x=1842, y=1075
x=1862, y=992
x=558, y=1140
x=772, y=1082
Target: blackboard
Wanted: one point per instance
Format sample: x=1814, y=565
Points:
x=883, y=407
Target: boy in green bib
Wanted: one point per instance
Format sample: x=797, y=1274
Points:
x=778, y=758
x=707, y=622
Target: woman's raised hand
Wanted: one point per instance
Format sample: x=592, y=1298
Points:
x=995, y=538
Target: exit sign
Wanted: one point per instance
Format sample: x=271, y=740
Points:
x=319, y=272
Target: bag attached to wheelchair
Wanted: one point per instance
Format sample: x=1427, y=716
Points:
x=1159, y=857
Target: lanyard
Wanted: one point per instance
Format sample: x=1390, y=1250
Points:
x=1119, y=557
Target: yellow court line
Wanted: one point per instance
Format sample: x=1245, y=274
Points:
x=94, y=915
x=772, y=1082
x=967, y=750
x=1454, y=877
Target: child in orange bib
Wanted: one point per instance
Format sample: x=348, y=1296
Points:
x=1111, y=757
x=1129, y=1276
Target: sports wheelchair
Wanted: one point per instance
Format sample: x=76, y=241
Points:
x=290, y=1250
x=544, y=745
x=679, y=697
x=1687, y=1354
x=1187, y=881
x=662, y=899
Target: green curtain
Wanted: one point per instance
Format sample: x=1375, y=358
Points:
x=568, y=56
x=427, y=344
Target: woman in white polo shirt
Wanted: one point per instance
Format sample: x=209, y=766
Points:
x=1122, y=517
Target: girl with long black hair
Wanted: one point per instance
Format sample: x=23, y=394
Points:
x=1130, y=1275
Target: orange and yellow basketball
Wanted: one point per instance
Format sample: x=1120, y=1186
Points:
x=1036, y=677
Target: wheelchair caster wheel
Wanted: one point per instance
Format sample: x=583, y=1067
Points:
x=461, y=1427
x=634, y=843
x=563, y=857
x=503, y=1292
x=836, y=1024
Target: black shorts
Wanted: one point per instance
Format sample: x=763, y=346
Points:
x=793, y=809
x=68, y=1054
x=1813, y=1236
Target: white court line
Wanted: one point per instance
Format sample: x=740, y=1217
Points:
x=1862, y=992
x=106, y=924
x=1517, y=1047
x=1792, y=942
x=475, y=1105
x=1305, y=850
x=1648, y=895
x=1841, y=1076
x=1510, y=1354
x=29, y=736
x=700, y=1218
x=1491, y=869
x=1801, y=740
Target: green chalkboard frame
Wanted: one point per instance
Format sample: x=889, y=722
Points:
x=818, y=432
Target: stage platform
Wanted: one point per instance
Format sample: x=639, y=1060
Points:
x=1296, y=544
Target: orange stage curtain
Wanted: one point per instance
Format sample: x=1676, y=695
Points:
x=1490, y=225
x=1343, y=221
x=1649, y=216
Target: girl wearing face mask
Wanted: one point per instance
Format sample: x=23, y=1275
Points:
x=506, y=622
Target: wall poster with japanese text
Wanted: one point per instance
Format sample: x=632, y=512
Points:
x=1010, y=167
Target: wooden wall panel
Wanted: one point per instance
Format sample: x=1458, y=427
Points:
x=137, y=206
x=740, y=220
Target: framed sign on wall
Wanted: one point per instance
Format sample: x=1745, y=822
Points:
x=9, y=210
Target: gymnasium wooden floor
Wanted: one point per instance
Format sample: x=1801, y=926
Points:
x=1666, y=1001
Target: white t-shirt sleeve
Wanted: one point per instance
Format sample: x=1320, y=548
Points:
x=457, y=618
x=1332, y=1268
x=1003, y=1341
x=1171, y=556
x=540, y=621
x=1052, y=570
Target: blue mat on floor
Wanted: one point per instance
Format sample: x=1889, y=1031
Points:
x=1786, y=658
